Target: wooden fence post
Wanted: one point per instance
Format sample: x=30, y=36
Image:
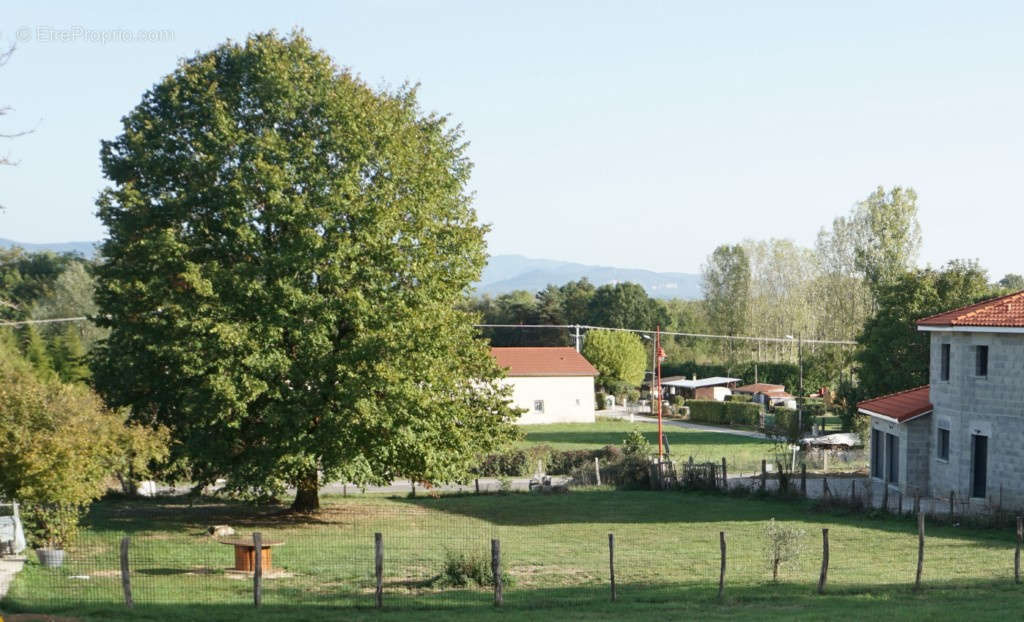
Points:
x=611, y=561
x=824, y=561
x=952, y=496
x=477, y=481
x=885, y=496
x=725, y=477
x=803, y=478
x=899, y=503
x=597, y=470
x=920, y=551
x=825, y=490
x=257, y=571
x=1016, y=553
x=126, y=581
x=496, y=570
x=721, y=573
x=764, y=473
x=378, y=565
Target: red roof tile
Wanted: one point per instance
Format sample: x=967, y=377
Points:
x=901, y=406
x=543, y=362
x=1005, y=311
x=759, y=387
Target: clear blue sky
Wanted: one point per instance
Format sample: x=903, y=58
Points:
x=619, y=133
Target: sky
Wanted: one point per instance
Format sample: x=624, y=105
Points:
x=630, y=134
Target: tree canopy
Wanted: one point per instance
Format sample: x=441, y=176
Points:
x=287, y=250
x=620, y=357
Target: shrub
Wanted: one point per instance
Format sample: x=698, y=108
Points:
x=563, y=462
x=786, y=422
x=633, y=471
x=600, y=401
x=739, y=397
x=724, y=413
x=677, y=400
x=60, y=447
x=782, y=544
x=460, y=569
x=506, y=464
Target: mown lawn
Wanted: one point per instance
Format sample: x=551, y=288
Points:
x=555, y=548
x=744, y=454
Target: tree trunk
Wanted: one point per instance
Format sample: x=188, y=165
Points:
x=775, y=570
x=307, y=493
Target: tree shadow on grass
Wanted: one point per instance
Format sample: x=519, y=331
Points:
x=629, y=507
x=787, y=600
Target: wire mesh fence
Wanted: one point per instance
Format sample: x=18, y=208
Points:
x=436, y=553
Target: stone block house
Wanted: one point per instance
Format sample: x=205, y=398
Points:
x=964, y=431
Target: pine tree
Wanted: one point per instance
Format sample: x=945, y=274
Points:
x=69, y=355
x=33, y=347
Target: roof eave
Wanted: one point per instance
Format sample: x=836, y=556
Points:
x=970, y=329
x=872, y=413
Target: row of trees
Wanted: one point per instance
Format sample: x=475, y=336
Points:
x=620, y=305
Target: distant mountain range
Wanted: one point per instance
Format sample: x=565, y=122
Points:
x=504, y=273
x=86, y=249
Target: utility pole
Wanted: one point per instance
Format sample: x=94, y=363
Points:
x=800, y=360
x=577, y=339
x=658, y=357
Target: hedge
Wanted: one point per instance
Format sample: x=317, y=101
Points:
x=724, y=413
x=786, y=421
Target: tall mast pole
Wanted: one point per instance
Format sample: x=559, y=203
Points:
x=657, y=357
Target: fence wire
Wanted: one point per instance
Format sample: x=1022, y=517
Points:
x=554, y=552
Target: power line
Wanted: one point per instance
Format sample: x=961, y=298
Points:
x=50, y=321
x=676, y=334
x=562, y=326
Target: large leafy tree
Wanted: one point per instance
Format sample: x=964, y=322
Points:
x=287, y=247
x=626, y=305
x=894, y=354
x=619, y=357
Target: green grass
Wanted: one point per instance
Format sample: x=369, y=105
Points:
x=743, y=454
x=554, y=548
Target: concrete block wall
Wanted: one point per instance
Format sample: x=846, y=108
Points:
x=992, y=406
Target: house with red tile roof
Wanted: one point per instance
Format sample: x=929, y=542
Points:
x=964, y=431
x=553, y=385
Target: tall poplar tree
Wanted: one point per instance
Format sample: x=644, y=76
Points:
x=287, y=247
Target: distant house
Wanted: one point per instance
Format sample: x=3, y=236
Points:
x=553, y=385
x=714, y=388
x=768, y=394
x=962, y=432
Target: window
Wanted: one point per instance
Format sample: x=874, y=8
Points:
x=981, y=361
x=538, y=406
x=876, y=453
x=943, y=445
x=944, y=373
x=892, y=458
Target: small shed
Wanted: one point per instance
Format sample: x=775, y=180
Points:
x=713, y=388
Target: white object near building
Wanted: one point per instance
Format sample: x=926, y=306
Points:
x=12, y=535
x=553, y=385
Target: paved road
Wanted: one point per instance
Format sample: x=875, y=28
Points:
x=9, y=567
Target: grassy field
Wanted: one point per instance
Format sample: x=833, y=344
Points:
x=744, y=454
x=553, y=547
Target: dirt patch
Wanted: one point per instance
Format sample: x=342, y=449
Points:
x=241, y=575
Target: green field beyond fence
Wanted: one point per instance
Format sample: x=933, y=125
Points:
x=554, y=551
